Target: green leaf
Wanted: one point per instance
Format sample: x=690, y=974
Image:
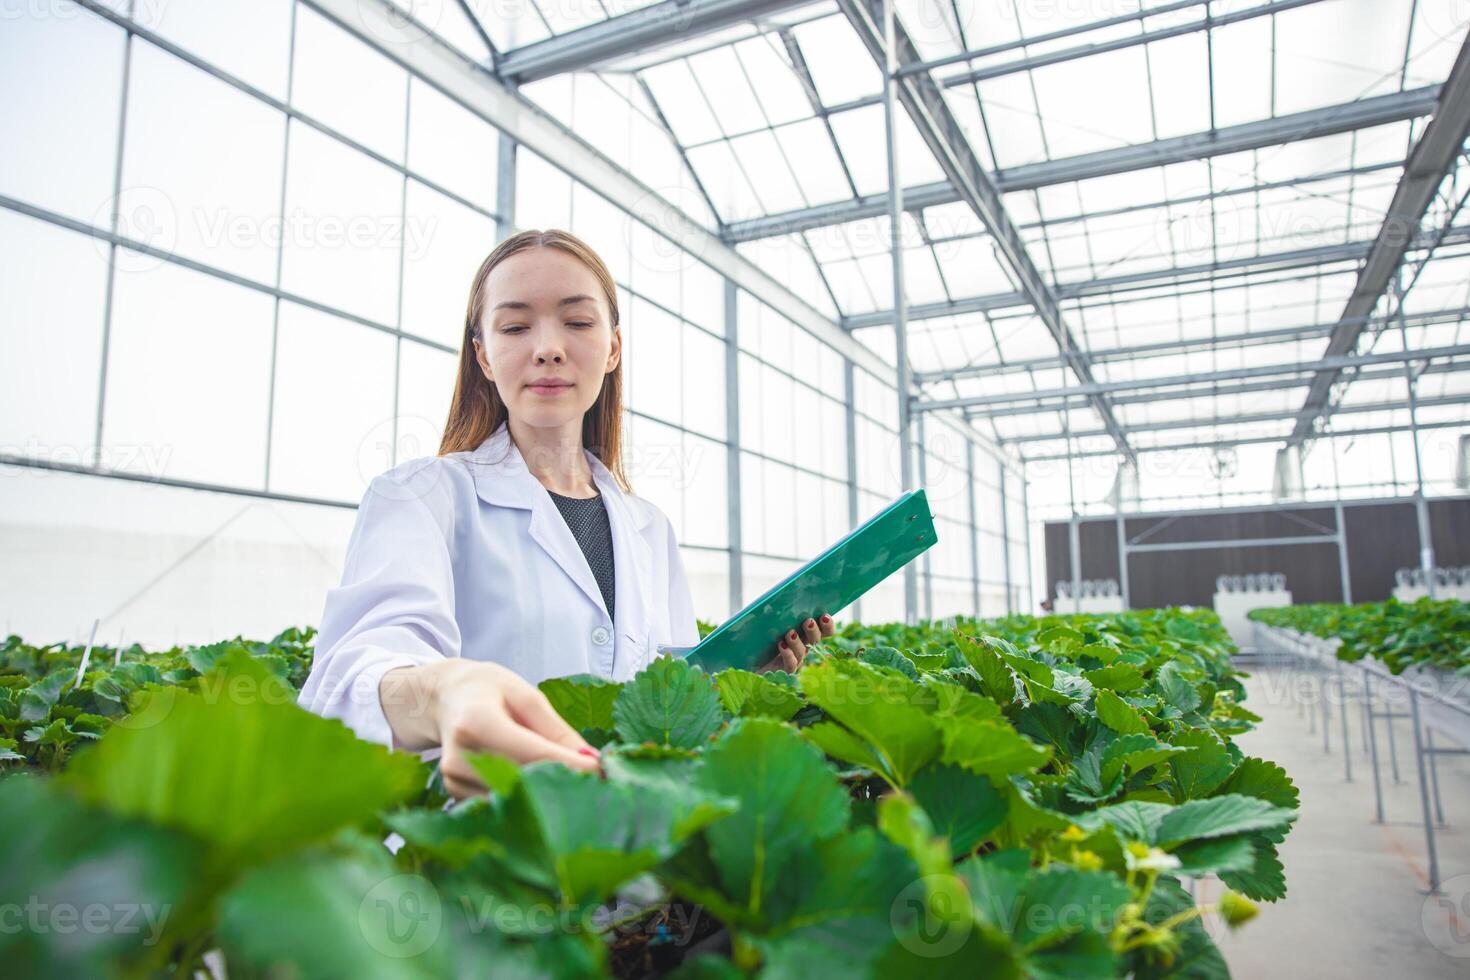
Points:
x=901, y=736
x=962, y=806
x=1264, y=780
x=902, y=821
x=1134, y=753
x=36, y=700
x=1134, y=820
x=669, y=702
x=891, y=658
x=990, y=748
x=1216, y=855
x=1175, y=689
x=241, y=767
x=1086, y=783
x=1200, y=772
x=789, y=800
x=1193, y=955
x=750, y=695
x=1265, y=879
x=582, y=700
x=1118, y=715
x=995, y=674
x=1121, y=678
x=1219, y=816
x=57, y=853
x=1059, y=640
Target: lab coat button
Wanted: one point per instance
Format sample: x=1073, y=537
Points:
x=601, y=635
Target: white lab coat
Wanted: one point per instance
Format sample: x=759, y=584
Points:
x=466, y=555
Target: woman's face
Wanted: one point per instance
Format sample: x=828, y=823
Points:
x=546, y=337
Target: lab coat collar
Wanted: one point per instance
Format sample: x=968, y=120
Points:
x=503, y=479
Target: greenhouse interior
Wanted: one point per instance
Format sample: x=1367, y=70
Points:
x=735, y=488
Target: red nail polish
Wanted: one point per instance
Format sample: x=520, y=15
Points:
x=585, y=750
x=826, y=618
x=811, y=622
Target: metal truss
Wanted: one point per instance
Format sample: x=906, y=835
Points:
x=942, y=133
x=1275, y=131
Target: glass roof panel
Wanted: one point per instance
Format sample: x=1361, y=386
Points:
x=841, y=68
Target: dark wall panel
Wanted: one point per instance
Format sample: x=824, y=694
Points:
x=1173, y=578
x=1382, y=537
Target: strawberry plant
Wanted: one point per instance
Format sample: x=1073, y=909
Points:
x=1019, y=797
x=1424, y=633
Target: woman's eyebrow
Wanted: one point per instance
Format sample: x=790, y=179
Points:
x=515, y=304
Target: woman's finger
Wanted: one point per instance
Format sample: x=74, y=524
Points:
x=531, y=709
x=826, y=624
x=794, y=644
x=810, y=633
x=787, y=658
x=523, y=746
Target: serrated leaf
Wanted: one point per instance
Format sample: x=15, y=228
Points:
x=583, y=701
x=892, y=658
x=746, y=694
x=1120, y=678
x=789, y=801
x=241, y=767
x=669, y=702
x=900, y=735
x=1195, y=958
x=995, y=674
x=1200, y=772
x=990, y=748
x=1264, y=780
x=1118, y=715
x=1174, y=688
x=961, y=806
x=1265, y=880
x=1220, y=816
x=1214, y=856
x=1134, y=753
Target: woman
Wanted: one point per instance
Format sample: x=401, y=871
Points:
x=519, y=552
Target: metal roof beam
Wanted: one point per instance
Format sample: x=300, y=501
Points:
x=1376, y=430
x=1312, y=123
x=636, y=32
x=1220, y=390
x=1257, y=338
x=1175, y=275
x=942, y=133
x=1247, y=419
x=1431, y=159
x=1197, y=379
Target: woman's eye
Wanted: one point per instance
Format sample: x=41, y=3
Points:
x=512, y=328
x=580, y=323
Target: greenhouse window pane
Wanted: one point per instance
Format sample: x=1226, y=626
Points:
x=451, y=146
x=703, y=383
x=249, y=39
x=682, y=103
x=343, y=227
x=179, y=192
x=651, y=346
x=762, y=160
x=188, y=375
x=444, y=243
x=347, y=85
x=333, y=404
x=426, y=380
x=781, y=94
x=54, y=283
x=58, y=143
x=841, y=68
x=723, y=83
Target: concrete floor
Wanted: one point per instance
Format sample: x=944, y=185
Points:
x=1357, y=902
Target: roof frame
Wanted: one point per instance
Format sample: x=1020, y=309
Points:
x=1431, y=159
x=942, y=133
x=1275, y=131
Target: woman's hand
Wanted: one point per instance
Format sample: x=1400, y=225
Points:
x=467, y=706
x=791, y=648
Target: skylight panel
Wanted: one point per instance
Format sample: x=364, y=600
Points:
x=1242, y=71
x=1082, y=114
x=724, y=86
x=1180, y=75
x=1013, y=122
x=818, y=170
x=768, y=171
x=1330, y=53
x=971, y=268
x=564, y=17
x=780, y=92
x=841, y=68
x=725, y=182
x=1439, y=31
x=681, y=102
x=860, y=136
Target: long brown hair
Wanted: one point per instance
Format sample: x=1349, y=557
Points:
x=477, y=409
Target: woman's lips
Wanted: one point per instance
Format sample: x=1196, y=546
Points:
x=549, y=390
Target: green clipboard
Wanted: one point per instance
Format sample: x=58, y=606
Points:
x=830, y=582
